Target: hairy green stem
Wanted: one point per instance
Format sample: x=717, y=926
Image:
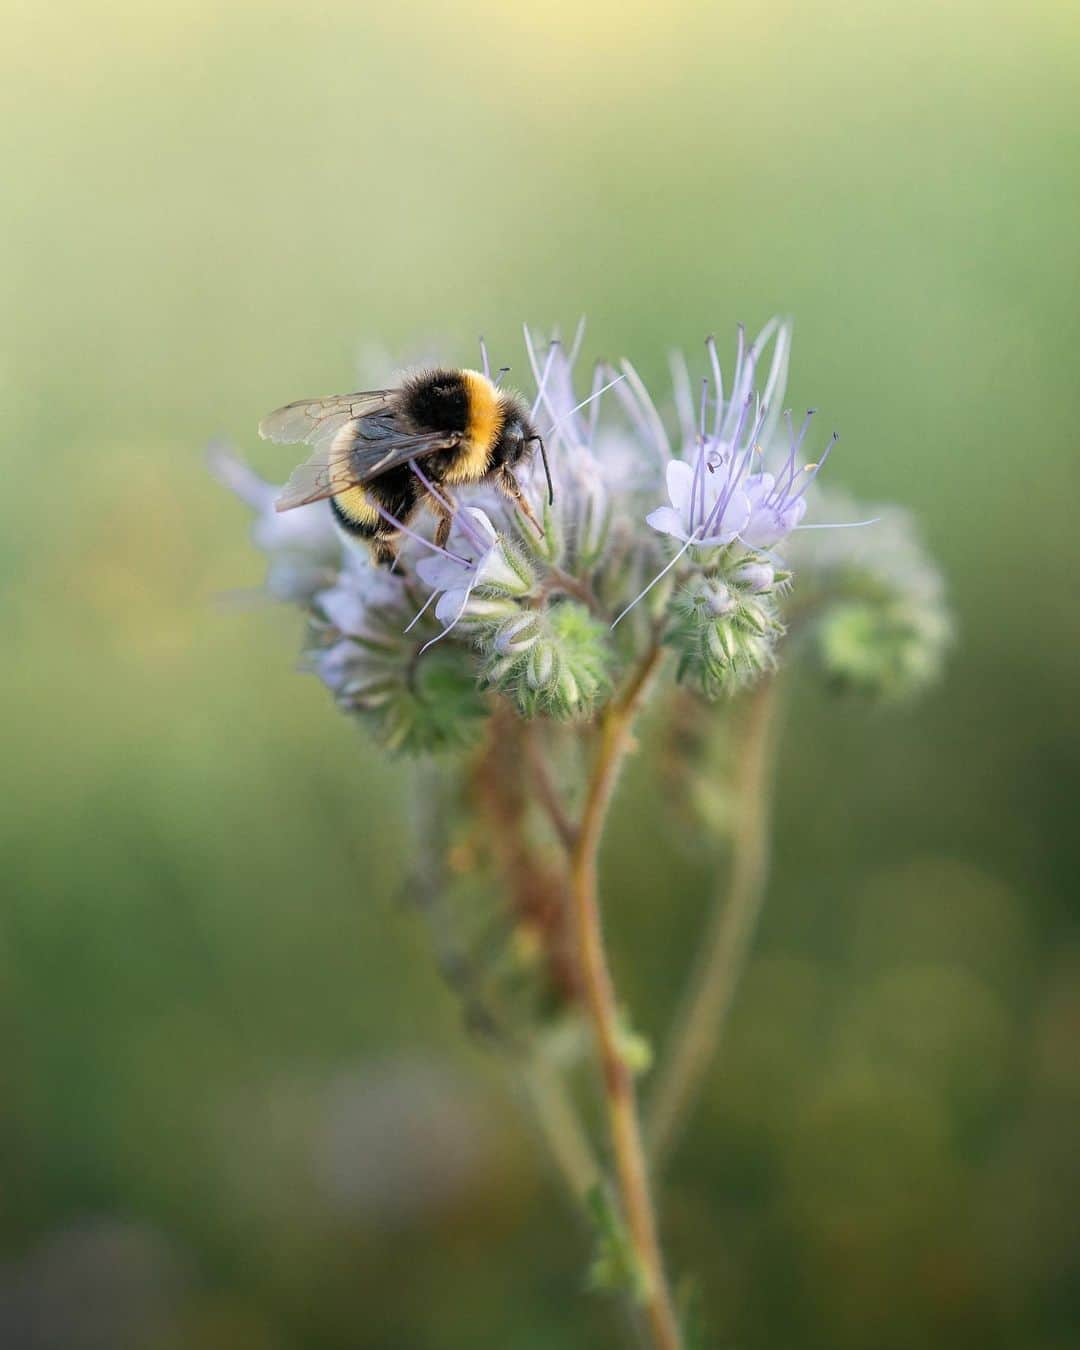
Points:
x=618, y=1080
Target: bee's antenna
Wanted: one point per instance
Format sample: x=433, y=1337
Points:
x=547, y=471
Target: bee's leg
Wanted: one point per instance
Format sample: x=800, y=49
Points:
x=508, y=484
x=384, y=549
x=443, y=507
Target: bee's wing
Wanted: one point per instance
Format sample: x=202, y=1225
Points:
x=314, y=421
x=361, y=449
x=322, y=474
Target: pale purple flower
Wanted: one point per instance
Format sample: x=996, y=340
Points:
x=773, y=513
x=476, y=557
x=723, y=491
x=720, y=493
x=708, y=507
x=361, y=588
x=343, y=668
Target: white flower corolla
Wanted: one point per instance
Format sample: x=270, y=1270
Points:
x=707, y=505
x=477, y=556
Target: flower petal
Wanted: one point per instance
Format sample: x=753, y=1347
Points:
x=667, y=520
x=345, y=607
x=680, y=482
x=732, y=522
x=450, y=604
x=442, y=573
x=482, y=523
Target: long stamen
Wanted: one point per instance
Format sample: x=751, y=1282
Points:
x=788, y=463
x=736, y=379
x=731, y=455
x=530, y=349
x=594, y=411
x=746, y=384
x=841, y=524
x=652, y=417
x=575, y=346
x=697, y=488
x=421, y=611
x=692, y=540
x=718, y=380
x=684, y=399
x=404, y=529
x=812, y=470
x=584, y=402
x=541, y=384
x=633, y=410
x=453, y=623
x=782, y=488
x=735, y=476
x=774, y=385
x=540, y=377
x=461, y=518
x=432, y=490
x=485, y=364
x=733, y=444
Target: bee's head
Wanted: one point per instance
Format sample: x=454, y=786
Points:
x=520, y=440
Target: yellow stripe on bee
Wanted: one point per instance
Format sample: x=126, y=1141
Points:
x=481, y=430
x=354, y=504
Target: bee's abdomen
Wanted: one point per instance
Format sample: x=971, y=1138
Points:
x=355, y=510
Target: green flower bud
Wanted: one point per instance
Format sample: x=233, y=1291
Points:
x=411, y=703
x=554, y=662
x=887, y=649
x=724, y=638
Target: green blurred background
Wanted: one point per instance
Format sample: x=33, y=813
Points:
x=237, y=1108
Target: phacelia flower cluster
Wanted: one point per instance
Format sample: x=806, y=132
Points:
x=673, y=533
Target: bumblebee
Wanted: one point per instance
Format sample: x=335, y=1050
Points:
x=381, y=455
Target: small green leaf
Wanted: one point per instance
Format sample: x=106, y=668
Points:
x=615, y=1267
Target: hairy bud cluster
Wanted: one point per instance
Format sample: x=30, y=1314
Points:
x=373, y=668
x=888, y=646
x=881, y=625
x=553, y=662
x=725, y=624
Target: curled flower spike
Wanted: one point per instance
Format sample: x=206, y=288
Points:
x=722, y=492
x=720, y=495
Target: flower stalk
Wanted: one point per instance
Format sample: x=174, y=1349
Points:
x=618, y=1079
